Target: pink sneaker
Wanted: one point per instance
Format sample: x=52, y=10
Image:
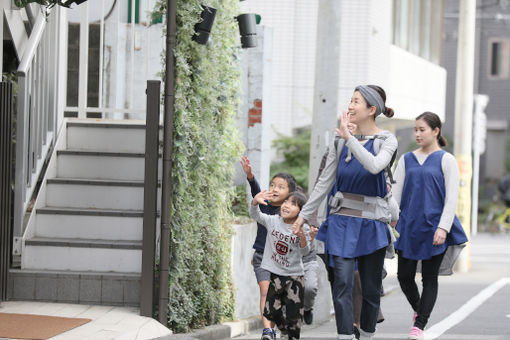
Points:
x=415, y=334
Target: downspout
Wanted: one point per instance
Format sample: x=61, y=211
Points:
x=167, y=160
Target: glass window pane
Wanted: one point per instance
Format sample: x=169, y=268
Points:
x=495, y=47
x=425, y=29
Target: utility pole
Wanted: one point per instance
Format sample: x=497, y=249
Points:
x=464, y=117
x=325, y=99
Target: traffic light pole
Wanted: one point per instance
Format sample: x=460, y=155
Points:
x=464, y=117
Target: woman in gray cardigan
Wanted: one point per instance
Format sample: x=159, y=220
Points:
x=356, y=228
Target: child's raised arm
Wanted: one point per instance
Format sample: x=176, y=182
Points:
x=254, y=185
x=255, y=212
x=245, y=163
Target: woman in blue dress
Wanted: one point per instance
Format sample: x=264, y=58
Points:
x=356, y=229
x=427, y=184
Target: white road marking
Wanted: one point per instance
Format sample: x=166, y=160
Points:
x=469, y=307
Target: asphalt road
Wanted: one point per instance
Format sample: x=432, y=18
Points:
x=471, y=306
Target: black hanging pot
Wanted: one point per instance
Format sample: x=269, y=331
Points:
x=248, y=29
x=203, y=28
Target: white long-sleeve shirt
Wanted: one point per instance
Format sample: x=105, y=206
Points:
x=451, y=181
x=283, y=254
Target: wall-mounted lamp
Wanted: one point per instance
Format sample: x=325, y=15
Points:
x=68, y=3
x=203, y=28
x=248, y=29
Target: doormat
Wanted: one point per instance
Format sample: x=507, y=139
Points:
x=37, y=327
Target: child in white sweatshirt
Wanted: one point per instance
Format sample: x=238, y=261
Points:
x=283, y=257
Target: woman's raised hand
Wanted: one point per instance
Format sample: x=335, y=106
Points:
x=344, y=130
x=262, y=197
x=297, y=226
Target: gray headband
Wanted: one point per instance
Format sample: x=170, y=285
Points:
x=372, y=97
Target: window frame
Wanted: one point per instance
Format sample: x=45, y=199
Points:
x=503, y=61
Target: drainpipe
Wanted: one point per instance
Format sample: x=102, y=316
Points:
x=167, y=160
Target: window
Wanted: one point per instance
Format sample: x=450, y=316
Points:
x=499, y=58
x=417, y=27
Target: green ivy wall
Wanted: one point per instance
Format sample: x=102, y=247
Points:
x=206, y=147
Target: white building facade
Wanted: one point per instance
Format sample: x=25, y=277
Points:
x=392, y=43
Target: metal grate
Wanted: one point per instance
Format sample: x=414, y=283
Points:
x=6, y=112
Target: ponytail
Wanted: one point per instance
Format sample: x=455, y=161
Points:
x=388, y=112
x=442, y=141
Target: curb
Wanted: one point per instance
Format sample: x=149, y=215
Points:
x=225, y=331
x=228, y=330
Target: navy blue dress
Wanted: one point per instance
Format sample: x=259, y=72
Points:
x=351, y=237
x=421, y=207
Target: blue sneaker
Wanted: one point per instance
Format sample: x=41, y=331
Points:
x=267, y=334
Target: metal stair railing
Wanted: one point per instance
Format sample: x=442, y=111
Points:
x=36, y=119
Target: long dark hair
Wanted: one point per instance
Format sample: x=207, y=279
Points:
x=388, y=112
x=433, y=121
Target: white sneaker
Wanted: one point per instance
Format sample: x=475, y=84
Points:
x=365, y=335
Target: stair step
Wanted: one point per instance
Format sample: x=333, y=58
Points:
x=94, y=193
x=99, y=182
x=113, y=275
x=42, y=253
x=65, y=286
x=90, y=212
x=100, y=165
x=100, y=153
x=84, y=243
x=107, y=125
x=89, y=223
x=110, y=136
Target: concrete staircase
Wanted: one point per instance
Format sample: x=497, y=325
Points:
x=85, y=240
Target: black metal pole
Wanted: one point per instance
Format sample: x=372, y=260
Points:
x=6, y=154
x=166, y=191
x=150, y=197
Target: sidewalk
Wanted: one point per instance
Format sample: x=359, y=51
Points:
x=125, y=323
x=119, y=323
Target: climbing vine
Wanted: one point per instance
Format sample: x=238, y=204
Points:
x=206, y=147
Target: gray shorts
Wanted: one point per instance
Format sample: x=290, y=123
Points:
x=260, y=273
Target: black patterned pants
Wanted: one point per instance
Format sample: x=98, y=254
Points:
x=285, y=305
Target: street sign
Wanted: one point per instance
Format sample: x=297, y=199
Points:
x=479, y=137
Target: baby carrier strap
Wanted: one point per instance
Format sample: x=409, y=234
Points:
x=378, y=140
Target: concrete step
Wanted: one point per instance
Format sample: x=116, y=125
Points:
x=100, y=165
x=110, y=136
x=84, y=287
x=89, y=223
x=82, y=255
x=94, y=194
